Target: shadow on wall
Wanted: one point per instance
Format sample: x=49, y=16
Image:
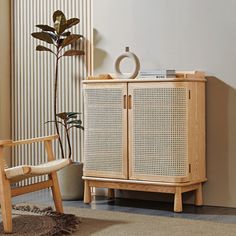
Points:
x=221, y=144
x=220, y=154
x=220, y=188
x=99, y=54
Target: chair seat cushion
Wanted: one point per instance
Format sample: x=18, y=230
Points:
x=41, y=169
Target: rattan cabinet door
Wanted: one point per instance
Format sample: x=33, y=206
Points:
x=105, y=134
x=158, y=131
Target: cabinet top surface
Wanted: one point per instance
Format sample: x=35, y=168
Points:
x=181, y=76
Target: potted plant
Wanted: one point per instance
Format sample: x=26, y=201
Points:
x=59, y=38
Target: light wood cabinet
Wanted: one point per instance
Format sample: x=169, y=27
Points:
x=146, y=135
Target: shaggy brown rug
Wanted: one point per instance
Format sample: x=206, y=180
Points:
x=33, y=221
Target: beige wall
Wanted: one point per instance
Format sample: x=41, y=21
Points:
x=5, y=70
x=183, y=35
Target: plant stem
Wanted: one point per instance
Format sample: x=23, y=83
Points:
x=68, y=140
x=55, y=104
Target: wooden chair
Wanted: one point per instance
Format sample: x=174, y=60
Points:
x=18, y=173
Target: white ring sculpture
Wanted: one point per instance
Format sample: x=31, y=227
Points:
x=134, y=58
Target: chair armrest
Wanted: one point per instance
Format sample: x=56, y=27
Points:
x=28, y=141
x=5, y=142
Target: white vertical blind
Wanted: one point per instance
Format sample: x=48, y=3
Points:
x=33, y=76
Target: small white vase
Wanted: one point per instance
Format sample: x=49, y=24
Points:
x=135, y=60
x=70, y=181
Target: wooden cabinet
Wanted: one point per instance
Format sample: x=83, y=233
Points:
x=146, y=135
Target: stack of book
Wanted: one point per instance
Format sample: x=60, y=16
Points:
x=157, y=74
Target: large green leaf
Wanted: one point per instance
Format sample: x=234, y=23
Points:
x=62, y=115
x=46, y=28
x=72, y=113
x=42, y=48
x=70, y=39
x=77, y=122
x=58, y=15
x=78, y=127
x=66, y=34
x=72, y=52
x=72, y=117
x=43, y=36
x=68, y=115
x=54, y=36
x=60, y=28
x=71, y=22
x=60, y=23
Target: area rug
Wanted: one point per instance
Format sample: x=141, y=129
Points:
x=110, y=223
x=34, y=221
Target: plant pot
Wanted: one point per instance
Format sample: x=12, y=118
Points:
x=70, y=181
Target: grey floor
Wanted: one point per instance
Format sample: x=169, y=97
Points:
x=208, y=213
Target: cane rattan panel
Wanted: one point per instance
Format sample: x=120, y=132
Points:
x=159, y=143
x=103, y=147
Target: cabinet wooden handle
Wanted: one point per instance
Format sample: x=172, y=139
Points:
x=129, y=102
x=125, y=101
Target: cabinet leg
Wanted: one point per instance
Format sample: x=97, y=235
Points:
x=111, y=193
x=87, y=192
x=178, y=206
x=198, y=196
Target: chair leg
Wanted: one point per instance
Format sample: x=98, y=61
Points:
x=56, y=193
x=5, y=197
